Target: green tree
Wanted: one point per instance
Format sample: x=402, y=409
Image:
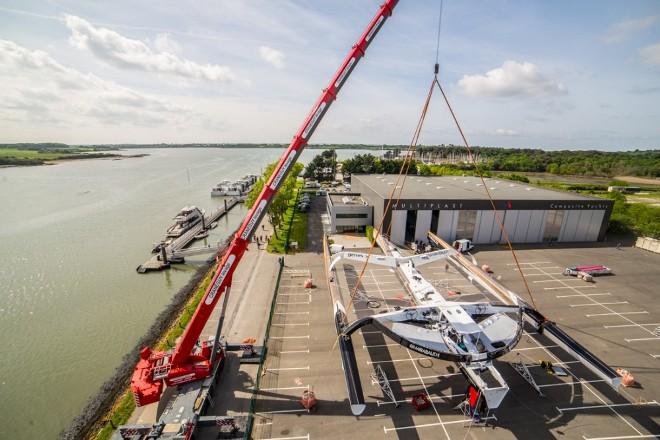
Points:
x=280, y=200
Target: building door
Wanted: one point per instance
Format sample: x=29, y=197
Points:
x=411, y=222
x=435, y=217
x=466, y=224
x=553, y=221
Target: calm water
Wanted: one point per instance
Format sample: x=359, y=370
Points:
x=71, y=236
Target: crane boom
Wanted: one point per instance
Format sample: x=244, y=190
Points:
x=183, y=365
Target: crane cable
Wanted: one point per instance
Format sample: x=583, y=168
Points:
x=490, y=197
x=437, y=44
x=405, y=165
x=403, y=170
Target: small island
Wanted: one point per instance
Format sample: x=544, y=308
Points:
x=30, y=154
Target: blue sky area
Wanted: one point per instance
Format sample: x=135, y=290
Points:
x=560, y=74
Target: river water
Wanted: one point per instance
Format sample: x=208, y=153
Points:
x=71, y=236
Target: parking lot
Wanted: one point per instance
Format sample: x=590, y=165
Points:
x=615, y=318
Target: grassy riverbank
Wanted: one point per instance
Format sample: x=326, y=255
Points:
x=42, y=154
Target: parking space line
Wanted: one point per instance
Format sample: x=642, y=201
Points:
x=293, y=303
x=615, y=313
x=306, y=387
x=599, y=304
x=441, y=397
x=289, y=368
x=446, y=279
x=282, y=411
x=294, y=351
x=631, y=325
x=584, y=294
x=641, y=339
x=393, y=361
x=555, y=363
x=426, y=425
x=435, y=376
x=290, y=337
x=291, y=313
x=537, y=268
x=568, y=287
x=570, y=383
x=306, y=437
x=540, y=347
x=655, y=356
x=622, y=437
x=394, y=344
x=292, y=324
x=557, y=281
x=611, y=405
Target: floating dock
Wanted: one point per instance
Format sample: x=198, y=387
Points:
x=176, y=250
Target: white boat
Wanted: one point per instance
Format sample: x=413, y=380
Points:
x=184, y=220
x=237, y=188
x=226, y=188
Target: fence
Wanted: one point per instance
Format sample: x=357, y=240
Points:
x=255, y=391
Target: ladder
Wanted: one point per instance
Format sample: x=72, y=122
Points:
x=380, y=378
x=521, y=368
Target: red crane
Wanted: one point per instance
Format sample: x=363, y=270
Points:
x=189, y=361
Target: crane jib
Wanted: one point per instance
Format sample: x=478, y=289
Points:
x=258, y=212
x=147, y=388
x=283, y=171
x=218, y=282
x=239, y=245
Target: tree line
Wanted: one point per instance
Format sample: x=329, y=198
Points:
x=587, y=163
x=280, y=201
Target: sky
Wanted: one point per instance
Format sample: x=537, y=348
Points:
x=552, y=75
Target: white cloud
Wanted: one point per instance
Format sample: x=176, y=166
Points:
x=68, y=95
x=506, y=132
x=623, y=30
x=512, y=79
x=651, y=54
x=272, y=56
x=125, y=52
x=165, y=43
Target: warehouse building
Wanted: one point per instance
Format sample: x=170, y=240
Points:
x=458, y=207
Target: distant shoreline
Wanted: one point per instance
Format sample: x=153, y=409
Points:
x=45, y=162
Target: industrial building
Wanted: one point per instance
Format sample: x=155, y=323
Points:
x=456, y=207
